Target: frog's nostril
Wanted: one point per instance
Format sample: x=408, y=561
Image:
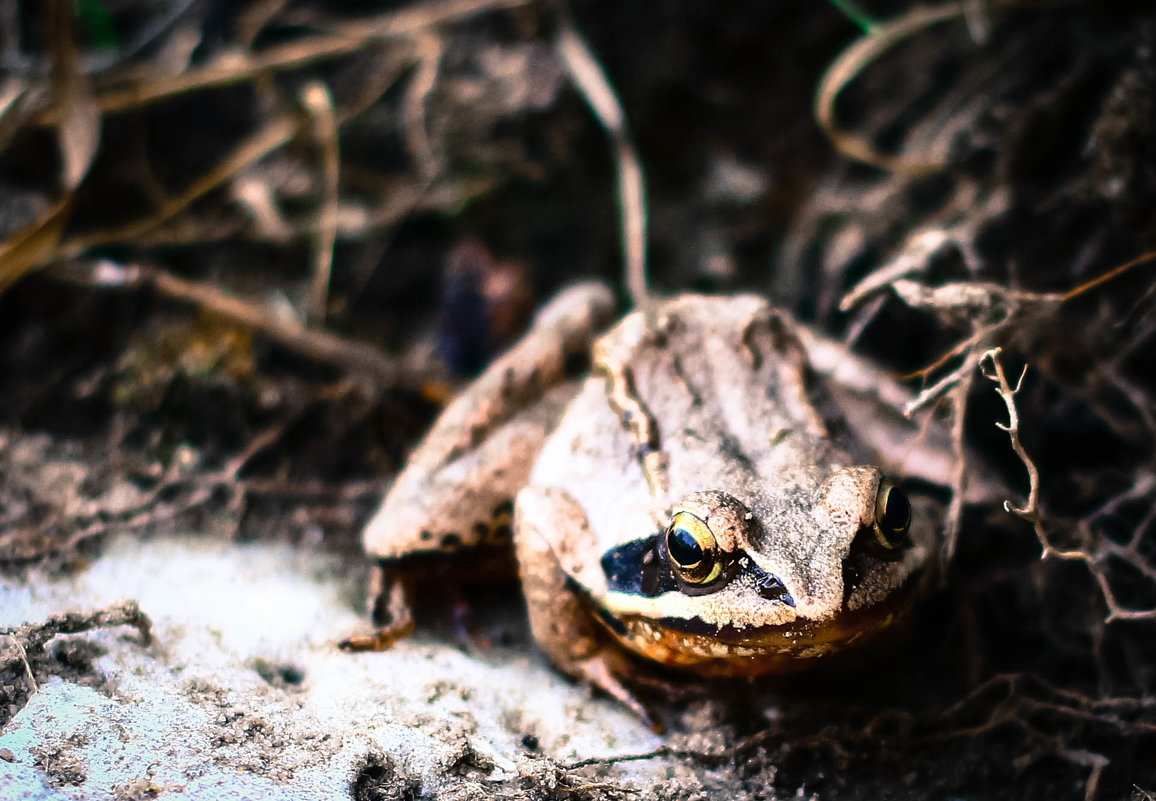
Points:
x=769, y=586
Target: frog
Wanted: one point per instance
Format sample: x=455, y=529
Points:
x=696, y=501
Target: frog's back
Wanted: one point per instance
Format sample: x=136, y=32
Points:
x=702, y=393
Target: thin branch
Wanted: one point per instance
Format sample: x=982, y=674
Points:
x=356, y=358
x=991, y=369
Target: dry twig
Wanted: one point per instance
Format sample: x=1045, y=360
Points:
x=1094, y=559
x=357, y=358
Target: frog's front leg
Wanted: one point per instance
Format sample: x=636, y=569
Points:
x=453, y=497
x=389, y=604
x=550, y=526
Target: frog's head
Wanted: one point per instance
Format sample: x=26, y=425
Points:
x=779, y=577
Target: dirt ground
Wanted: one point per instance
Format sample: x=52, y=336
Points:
x=248, y=250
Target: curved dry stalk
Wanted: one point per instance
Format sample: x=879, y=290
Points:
x=847, y=66
x=881, y=37
x=23, y=657
x=591, y=82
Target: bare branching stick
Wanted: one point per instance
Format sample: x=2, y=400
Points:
x=956, y=226
x=992, y=369
x=1014, y=701
x=1094, y=560
x=591, y=82
x=937, y=390
x=914, y=256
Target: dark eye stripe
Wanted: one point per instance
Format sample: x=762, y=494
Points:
x=634, y=567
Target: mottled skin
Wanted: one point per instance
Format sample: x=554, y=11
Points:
x=699, y=404
x=479, y=452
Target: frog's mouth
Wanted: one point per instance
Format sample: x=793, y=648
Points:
x=712, y=649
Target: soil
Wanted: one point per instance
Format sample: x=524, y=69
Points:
x=156, y=266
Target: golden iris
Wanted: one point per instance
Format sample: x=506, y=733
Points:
x=692, y=549
x=892, y=516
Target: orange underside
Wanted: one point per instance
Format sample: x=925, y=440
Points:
x=754, y=652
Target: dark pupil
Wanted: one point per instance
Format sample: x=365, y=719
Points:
x=897, y=512
x=684, y=549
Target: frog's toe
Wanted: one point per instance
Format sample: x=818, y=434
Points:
x=389, y=606
x=671, y=690
x=379, y=639
x=598, y=671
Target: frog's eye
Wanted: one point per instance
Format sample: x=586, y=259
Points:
x=892, y=516
x=692, y=549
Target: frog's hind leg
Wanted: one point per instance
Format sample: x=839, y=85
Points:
x=390, y=602
x=559, y=620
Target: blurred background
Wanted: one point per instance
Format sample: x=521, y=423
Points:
x=249, y=249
